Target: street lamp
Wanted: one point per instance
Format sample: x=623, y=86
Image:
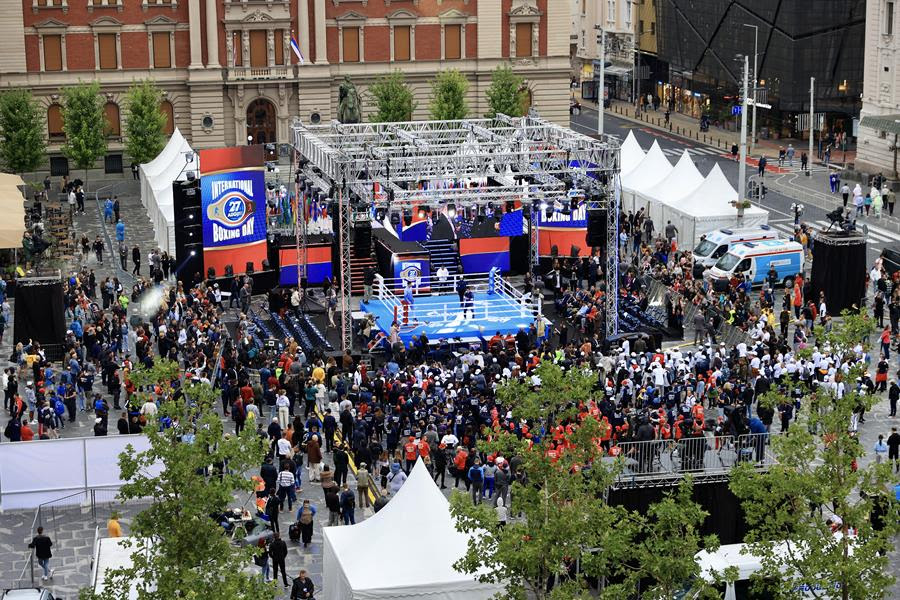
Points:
x=249, y=140
x=797, y=209
x=755, y=80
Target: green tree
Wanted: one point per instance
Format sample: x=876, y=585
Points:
x=393, y=99
x=178, y=549
x=663, y=547
x=564, y=517
x=448, y=96
x=22, y=142
x=144, y=122
x=814, y=476
x=84, y=124
x=507, y=93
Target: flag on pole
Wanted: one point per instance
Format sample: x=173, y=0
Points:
x=296, y=48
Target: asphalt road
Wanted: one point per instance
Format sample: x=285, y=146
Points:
x=779, y=206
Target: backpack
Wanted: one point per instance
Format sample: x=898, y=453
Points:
x=59, y=407
x=348, y=501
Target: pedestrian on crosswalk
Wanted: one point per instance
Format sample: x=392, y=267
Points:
x=804, y=161
x=762, y=166
x=845, y=193
x=888, y=198
x=790, y=154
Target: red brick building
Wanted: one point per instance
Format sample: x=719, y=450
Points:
x=227, y=68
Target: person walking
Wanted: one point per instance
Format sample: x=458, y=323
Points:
x=262, y=559
x=476, y=478
x=302, y=588
x=41, y=545
x=123, y=255
x=306, y=515
x=888, y=198
x=893, y=444
x=790, y=154
x=136, y=261
x=116, y=208
x=762, y=166
x=881, y=449
x=278, y=552
x=845, y=193
x=363, y=481
x=98, y=249
x=804, y=161
x=348, y=506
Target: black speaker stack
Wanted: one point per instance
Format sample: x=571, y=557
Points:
x=188, y=207
x=596, y=228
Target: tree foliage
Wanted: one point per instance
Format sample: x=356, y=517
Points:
x=22, y=141
x=817, y=475
x=448, y=96
x=191, y=471
x=145, y=122
x=393, y=99
x=507, y=93
x=84, y=123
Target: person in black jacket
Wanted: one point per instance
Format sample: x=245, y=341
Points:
x=341, y=464
x=41, y=545
x=278, y=552
x=303, y=587
x=273, y=507
x=269, y=474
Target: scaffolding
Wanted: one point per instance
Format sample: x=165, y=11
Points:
x=370, y=166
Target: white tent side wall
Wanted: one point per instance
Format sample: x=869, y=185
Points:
x=156, y=188
x=334, y=581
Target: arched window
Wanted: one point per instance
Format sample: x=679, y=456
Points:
x=166, y=108
x=55, y=122
x=113, y=127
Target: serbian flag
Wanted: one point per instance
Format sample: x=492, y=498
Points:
x=296, y=48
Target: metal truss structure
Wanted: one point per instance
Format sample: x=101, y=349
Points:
x=381, y=165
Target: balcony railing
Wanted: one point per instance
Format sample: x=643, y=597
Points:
x=703, y=455
x=256, y=73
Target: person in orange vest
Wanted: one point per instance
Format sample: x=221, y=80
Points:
x=697, y=411
x=424, y=448
x=459, y=465
x=411, y=452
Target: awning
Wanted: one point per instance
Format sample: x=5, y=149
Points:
x=617, y=71
x=10, y=179
x=888, y=123
x=12, y=207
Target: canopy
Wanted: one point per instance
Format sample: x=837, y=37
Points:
x=651, y=170
x=631, y=154
x=12, y=207
x=709, y=207
x=156, y=187
x=418, y=520
x=680, y=183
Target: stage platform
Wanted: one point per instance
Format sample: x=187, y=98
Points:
x=441, y=316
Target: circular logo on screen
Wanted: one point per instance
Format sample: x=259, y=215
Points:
x=231, y=210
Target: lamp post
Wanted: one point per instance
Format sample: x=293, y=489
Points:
x=601, y=91
x=249, y=140
x=755, y=80
x=742, y=167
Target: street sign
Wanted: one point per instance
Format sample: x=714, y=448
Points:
x=753, y=102
x=736, y=110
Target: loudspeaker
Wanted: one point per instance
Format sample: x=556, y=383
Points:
x=211, y=273
x=190, y=264
x=596, y=228
x=575, y=251
x=839, y=270
x=229, y=270
x=265, y=264
x=554, y=251
x=249, y=268
x=189, y=234
x=40, y=311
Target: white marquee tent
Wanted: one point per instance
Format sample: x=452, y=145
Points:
x=709, y=207
x=679, y=184
x=651, y=170
x=630, y=154
x=172, y=164
x=418, y=519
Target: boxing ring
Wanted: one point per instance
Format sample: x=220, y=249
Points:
x=494, y=305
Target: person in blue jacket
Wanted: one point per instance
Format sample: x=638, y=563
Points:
x=120, y=231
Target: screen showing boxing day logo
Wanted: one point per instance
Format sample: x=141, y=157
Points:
x=233, y=208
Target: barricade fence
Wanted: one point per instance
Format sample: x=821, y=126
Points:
x=696, y=454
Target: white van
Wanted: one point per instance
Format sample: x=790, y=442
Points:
x=754, y=259
x=716, y=243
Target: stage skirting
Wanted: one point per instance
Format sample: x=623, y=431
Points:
x=318, y=264
x=480, y=255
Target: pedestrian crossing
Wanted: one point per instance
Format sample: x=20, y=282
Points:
x=698, y=151
x=875, y=235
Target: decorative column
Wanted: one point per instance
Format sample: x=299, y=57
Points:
x=270, y=48
x=303, y=34
x=212, y=34
x=321, y=52
x=194, y=21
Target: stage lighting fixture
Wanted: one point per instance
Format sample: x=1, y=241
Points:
x=407, y=217
x=510, y=206
x=270, y=186
x=480, y=215
x=451, y=211
x=191, y=176
x=379, y=214
x=193, y=253
x=548, y=211
x=543, y=205
x=191, y=216
x=422, y=212
x=573, y=204
x=498, y=214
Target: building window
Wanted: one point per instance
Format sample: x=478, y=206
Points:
x=106, y=43
x=167, y=109
x=452, y=42
x=162, y=54
x=889, y=18
x=238, y=49
x=258, y=48
x=49, y=2
x=111, y=114
x=401, y=42
x=279, y=46
x=523, y=40
x=52, y=52
x=652, y=27
x=350, y=43
x=55, y=122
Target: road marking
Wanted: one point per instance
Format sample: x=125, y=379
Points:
x=892, y=236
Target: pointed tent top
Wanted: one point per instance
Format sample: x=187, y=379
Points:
x=631, y=154
x=652, y=169
x=680, y=183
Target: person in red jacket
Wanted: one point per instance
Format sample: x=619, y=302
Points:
x=411, y=452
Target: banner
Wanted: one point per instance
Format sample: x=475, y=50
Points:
x=233, y=189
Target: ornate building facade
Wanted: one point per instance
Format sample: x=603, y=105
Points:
x=228, y=72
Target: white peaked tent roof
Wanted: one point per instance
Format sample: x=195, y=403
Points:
x=679, y=184
x=631, y=154
x=173, y=148
x=652, y=169
x=713, y=198
x=416, y=521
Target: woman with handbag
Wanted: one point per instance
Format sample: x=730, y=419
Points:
x=306, y=517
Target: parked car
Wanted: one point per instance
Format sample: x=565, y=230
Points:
x=29, y=594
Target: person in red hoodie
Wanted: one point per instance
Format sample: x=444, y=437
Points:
x=25, y=432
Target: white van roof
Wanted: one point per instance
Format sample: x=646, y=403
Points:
x=739, y=232
x=764, y=247
x=728, y=555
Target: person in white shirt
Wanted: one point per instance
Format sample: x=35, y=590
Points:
x=282, y=404
x=149, y=409
x=442, y=275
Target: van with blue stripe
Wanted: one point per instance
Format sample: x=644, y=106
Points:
x=754, y=259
